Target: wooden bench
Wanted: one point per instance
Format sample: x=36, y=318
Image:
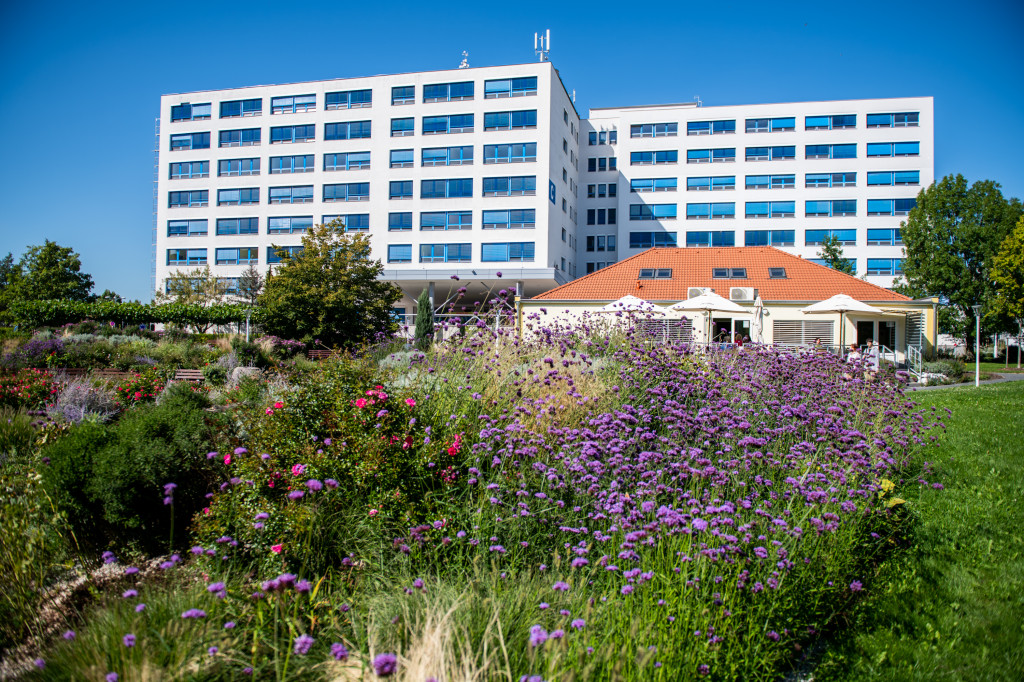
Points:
x=112, y=374
x=319, y=354
x=188, y=375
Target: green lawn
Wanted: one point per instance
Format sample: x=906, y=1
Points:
x=996, y=367
x=951, y=607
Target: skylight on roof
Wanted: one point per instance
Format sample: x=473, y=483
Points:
x=655, y=273
x=729, y=273
x=776, y=273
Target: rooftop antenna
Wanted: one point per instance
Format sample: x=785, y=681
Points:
x=696, y=98
x=464, y=64
x=542, y=45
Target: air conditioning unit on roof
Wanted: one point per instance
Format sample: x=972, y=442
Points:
x=742, y=293
x=694, y=292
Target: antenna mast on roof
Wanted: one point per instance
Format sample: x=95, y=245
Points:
x=542, y=45
x=696, y=98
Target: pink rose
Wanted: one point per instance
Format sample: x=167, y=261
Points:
x=278, y=405
x=276, y=549
x=374, y=512
x=410, y=402
x=270, y=411
x=361, y=403
x=227, y=459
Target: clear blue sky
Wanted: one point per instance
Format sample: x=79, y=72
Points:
x=81, y=82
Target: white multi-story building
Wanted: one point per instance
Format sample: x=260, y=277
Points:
x=786, y=175
x=468, y=172
x=478, y=171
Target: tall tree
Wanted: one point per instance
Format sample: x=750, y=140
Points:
x=330, y=290
x=424, y=321
x=197, y=286
x=1008, y=274
x=832, y=253
x=52, y=271
x=250, y=286
x=951, y=237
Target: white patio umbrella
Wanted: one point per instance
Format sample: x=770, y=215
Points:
x=707, y=303
x=630, y=303
x=757, y=324
x=842, y=304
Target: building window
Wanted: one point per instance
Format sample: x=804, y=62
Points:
x=830, y=180
x=299, y=194
x=769, y=238
x=186, y=228
x=276, y=254
x=193, y=198
x=186, y=256
x=601, y=163
x=238, y=197
x=292, y=104
x=402, y=158
x=504, y=252
x=523, y=185
x=238, y=167
x=446, y=253
x=401, y=127
x=399, y=222
x=446, y=189
x=455, y=123
x=510, y=153
x=447, y=156
x=351, y=191
x=713, y=211
x=347, y=161
x=770, y=181
x=400, y=189
x=405, y=94
x=510, y=87
x=289, y=224
x=654, y=158
x=770, y=209
x=353, y=222
x=834, y=122
x=771, y=125
x=601, y=242
x=241, y=107
x=728, y=273
x=228, y=226
x=725, y=155
x=510, y=120
x=652, y=212
x=190, y=169
x=647, y=240
x=885, y=266
x=710, y=127
x=350, y=130
x=710, y=238
x=190, y=141
x=894, y=148
x=290, y=134
x=830, y=151
x=818, y=237
x=509, y=219
x=830, y=208
x=292, y=164
x=890, y=206
x=399, y=253
x=227, y=285
x=191, y=112
x=771, y=153
x=605, y=216
x=446, y=220
x=249, y=137
x=888, y=236
x=237, y=255
x=448, y=92
x=348, y=99
x=654, y=130
x=602, y=190
x=894, y=178
x=907, y=119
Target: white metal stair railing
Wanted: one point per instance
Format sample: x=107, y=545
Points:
x=915, y=361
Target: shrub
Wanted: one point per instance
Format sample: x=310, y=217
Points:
x=29, y=389
x=110, y=478
x=953, y=368
x=215, y=374
x=142, y=387
x=78, y=400
x=248, y=354
x=17, y=435
x=38, y=352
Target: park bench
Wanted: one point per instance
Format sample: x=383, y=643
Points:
x=319, y=354
x=188, y=375
x=110, y=374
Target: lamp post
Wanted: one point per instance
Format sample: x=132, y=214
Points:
x=977, y=345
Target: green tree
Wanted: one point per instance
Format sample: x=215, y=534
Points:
x=51, y=272
x=424, y=321
x=1008, y=274
x=109, y=295
x=951, y=237
x=193, y=287
x=330, y=290
x=250, y=286
x=832, y=253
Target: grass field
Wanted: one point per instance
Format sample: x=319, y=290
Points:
x=952, y=606
x=997, y=367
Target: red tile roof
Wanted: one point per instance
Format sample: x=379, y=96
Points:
x=691, y=267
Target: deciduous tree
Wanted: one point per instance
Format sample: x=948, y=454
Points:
x=330, y=290
x=832, y=253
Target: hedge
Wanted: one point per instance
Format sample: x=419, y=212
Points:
x=56, y=313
